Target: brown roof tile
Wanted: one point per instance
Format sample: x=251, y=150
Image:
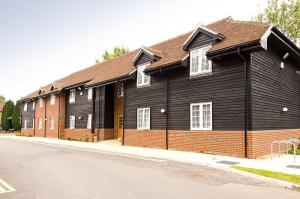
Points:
x=170, y=51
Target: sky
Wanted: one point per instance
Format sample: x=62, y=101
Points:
x=44, y=40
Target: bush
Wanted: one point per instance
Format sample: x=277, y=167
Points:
x=6, y=121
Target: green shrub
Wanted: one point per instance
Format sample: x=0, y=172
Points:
x=16, y=118
x=6, y=121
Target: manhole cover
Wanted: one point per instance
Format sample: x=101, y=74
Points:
x=228, y=162
x=293, y=166
x=5, y=187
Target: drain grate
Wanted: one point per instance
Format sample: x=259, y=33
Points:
x=228, y=162
x=5, y=188
x=293, y=166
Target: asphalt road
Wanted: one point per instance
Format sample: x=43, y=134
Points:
x=39, y=171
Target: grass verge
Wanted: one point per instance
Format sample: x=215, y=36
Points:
x=292, y=152
x=271, y=174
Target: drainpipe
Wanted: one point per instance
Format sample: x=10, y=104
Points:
x=167, y=108
x=58, y=120
x=34, y=119
x=45, y=127
x=245, y=101
x=93, y=113
x=124, y=102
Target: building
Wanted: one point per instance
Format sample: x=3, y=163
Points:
x=228, y=88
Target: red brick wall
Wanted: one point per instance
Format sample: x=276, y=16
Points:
x=105, y=134
x=39, y=113
x=145, y=138
x=259, y=142
x=27, y=132
x=78, y=134
x=214, y=142
x=52, y=111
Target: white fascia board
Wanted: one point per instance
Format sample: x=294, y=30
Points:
x=264, y=38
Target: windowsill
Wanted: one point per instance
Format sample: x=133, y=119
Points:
x=71, y=102
x=143, y=129
x=200, y=129
x=200, y=75
x=143, y=86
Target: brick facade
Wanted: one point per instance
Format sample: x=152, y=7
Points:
x=78, y=134
x=27, y=132
x=214, y=142
x=145, y=138
x=39, y=113
x=105, y=134
x=259, y=142
x=52, y=110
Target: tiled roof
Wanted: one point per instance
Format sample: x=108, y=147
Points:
x=169, y=51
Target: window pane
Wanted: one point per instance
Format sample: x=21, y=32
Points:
x=195, y=116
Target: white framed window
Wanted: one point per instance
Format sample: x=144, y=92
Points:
x=25, y=124
x=201, y=116
x=25, y=107
x=40, y=123
x=52, y=99
x=72, y=96
x=142, y=78
x=89, y=122
x=143, y=118
x=41, y=101
x=33, y=105
x=90, y=94
x=120, y=91
x=52, y=122
x=72, y=122
x=33, y=123
x=199, y=63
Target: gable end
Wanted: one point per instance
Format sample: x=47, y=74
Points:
x=201, y=36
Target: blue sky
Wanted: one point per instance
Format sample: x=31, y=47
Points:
x=44, y=40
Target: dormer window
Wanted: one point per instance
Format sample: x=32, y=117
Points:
x=142, y=78
x=41, y=101
x=52, y=100
x=199, y=64
x=25, y=107
x=120, y=91
x=72, y=96
x=90, y=94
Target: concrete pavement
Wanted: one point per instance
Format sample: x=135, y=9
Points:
x=44, y=171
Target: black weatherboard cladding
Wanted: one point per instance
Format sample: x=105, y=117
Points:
x=81, y=108
x=272, y=89
x=144, y=58
x=224, y=87
x=104, y=107
x=27, y=115
x=201, y=40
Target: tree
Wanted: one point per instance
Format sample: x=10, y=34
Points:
x=16, y=123
x=117, y=51
x=7, y=112
x=2, y=98
x=285, y=15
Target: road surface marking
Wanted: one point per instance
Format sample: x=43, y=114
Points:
x=5, y=187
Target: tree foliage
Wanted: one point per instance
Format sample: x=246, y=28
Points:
x=16, y=123
x=285, y=15
x=117, y=51
x=6, y=121
x=2, y=98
